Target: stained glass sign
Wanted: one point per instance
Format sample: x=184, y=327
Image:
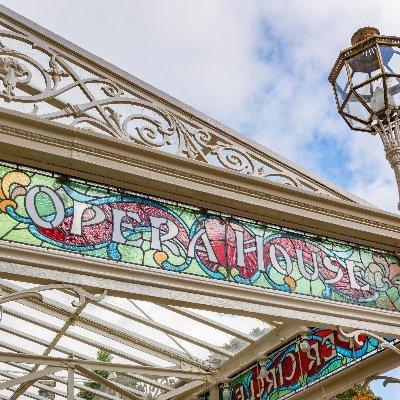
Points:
x=55, y=212
x=300, y=364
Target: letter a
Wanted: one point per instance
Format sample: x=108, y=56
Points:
x=206, y=248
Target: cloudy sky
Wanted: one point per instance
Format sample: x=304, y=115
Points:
x=259, y=67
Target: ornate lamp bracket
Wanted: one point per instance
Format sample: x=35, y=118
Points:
x=383, y=344
x=386, y=380
x=389, y=132
x=35, y=293
x=355, y=335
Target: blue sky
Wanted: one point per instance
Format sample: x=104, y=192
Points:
x=259, y=67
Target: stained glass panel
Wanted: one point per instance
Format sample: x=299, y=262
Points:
x=45, y=210
x=300, y=364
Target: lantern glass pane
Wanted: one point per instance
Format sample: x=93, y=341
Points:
x=391, y=59
x=373, y=95
x=355, y=108
x=364, y=66
x=342, y=86
x=355, y=124
x=393, y=87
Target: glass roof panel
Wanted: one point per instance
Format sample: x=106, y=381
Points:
x=143, y=336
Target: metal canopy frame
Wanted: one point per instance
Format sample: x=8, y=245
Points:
x=164, y=371
x=49, y=340
x=66, y=109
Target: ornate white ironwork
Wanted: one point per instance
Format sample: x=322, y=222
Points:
x=156, y=374
x=383, y=344
x=355, y=335
x=50, y=82
x=386, y=380
x=35, y=293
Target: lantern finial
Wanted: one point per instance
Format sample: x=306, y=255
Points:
x=364, y=33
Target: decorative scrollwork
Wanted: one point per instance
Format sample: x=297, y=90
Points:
x=386, y=380
x=35, y=293
x=355, y=335
x=233, y=158
x=55, y=72
x=12, y=71
x=112, y=91
x=73, y=94
x=152, y=134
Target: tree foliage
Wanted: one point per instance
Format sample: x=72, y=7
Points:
x=358, y=393
x=104, y=356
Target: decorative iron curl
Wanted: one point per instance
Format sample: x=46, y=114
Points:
x=355, y=335
x=35, y=293
x=386, y=380
x=234, y=158
x=153, y=134
x=203, y=137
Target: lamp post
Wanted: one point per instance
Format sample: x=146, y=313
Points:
x=366, y=84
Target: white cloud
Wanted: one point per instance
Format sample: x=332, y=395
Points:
x=259, y=67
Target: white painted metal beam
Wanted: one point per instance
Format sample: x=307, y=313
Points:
x=180, y=290
x=71, y=384
x=105, y=366
x=32, y=376
x=180, y=391
x=209, y=322
x=64, y=381
x=275, y=338
x=165, y=329
x=107, y=329
x=42, y=324
x=125, y=392
x=60, y=333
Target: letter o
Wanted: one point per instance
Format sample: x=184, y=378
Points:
x=274, y=260
x=30, y=206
